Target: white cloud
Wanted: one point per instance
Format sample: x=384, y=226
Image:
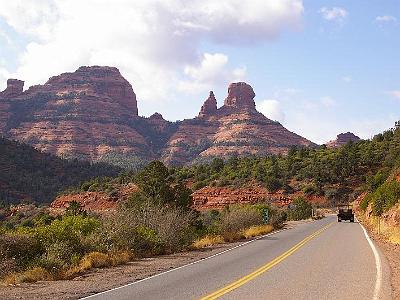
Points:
x=347, y=79
x=395, y=94
x=328, y=101
x=211, y=71
x=4, y=75
x=336, y=14
x=272, y=109
x=155, y=43
x=385, y=19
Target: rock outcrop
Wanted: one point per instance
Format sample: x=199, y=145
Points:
x=95, y=81
x=209, y=107
x=219, y=197
x=14, y=88
x=236, y=128
x=94, y=201
x=83, y=114
x=343, y=139
x=240, y=96
x=92, y=113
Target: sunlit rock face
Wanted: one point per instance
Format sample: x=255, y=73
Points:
x=92, y=113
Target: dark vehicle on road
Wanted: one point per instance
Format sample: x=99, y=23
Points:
x=345, y=212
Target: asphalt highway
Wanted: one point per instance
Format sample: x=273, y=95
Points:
x=323, y=259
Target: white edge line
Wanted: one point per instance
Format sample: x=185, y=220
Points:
x=184, y=266
x=378, y=263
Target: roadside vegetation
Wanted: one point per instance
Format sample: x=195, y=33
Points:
x=158, y=219
x=155, y=220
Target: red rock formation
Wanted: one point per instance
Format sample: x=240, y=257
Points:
x=218, y=198
x=87, y=113
x=95, y=81
x=236, y=128
x=94, y=201
x=240, y=95
x=343, y=139
x=14, y=88
x=92, y=112
x=209, y=107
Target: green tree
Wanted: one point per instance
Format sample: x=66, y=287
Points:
x=75, y=209
x=155, y=183
x=300, y=209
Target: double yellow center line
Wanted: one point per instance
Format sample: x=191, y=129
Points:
x=264, y=268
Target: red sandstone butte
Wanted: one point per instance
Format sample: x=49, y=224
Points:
x=92, y=114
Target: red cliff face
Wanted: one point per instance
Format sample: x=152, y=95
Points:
x=85, y=114
x=92, y=114
x=209, y=107
x=343, y=139
x=14, y=88
x=96, y=81
x=240, y=95
x=236, y=128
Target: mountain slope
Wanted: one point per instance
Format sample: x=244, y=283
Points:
x=30, y=175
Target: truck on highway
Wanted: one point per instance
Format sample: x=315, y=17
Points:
x=345, y=212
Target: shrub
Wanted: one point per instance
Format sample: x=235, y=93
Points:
x=365, y=202
x=146, y=228
x=277, y=218
x=21, y=248
x=300, y=209
x=310, y=189
x=7, y=266
x=385, y=197
x=235, y=219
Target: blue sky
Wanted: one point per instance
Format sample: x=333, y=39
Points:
x=318, y=67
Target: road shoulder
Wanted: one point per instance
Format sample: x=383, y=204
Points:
x=390, y=255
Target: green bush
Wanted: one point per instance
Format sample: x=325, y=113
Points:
x=236, y=218
x=300, y=209
x=365, y=202
x=385, y=197
x=146, y=228
x=21, y=248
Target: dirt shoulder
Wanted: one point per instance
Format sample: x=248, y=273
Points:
x=392, y=254
x=99, y=280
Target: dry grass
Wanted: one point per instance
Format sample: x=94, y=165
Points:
x=208, y=241
x=232, y=236
x=120, y=258
x=89, y=261
x=390, y=233
x=31, y=275
x=257, y=230
x=395, y=238
x=98, y=260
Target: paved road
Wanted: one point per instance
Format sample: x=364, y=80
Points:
x=316, y=260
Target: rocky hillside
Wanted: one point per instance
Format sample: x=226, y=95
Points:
x=92, y=114
x=343, y=139
x=27, y=174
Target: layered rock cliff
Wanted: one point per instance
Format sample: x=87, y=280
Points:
x=92, y=113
